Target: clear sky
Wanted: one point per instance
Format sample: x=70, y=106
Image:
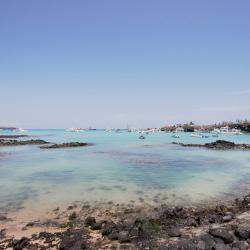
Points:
x=112, y=63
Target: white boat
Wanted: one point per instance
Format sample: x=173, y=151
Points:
x=196, y=135
x=74, y=129
x=224, y=130
x=236, y=131
x=179, y=130
x=216, y=131
x=20, y=130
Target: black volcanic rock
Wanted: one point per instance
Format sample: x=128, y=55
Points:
x=222, y=234
x=219, y=144
x=19, y=143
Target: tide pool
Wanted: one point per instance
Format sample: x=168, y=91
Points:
x=120, y=168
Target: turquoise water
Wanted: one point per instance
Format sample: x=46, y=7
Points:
x=119, y=167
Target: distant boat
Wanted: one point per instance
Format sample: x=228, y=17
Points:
x=196, y=135
x=227, y=130
x=215, y=135
x=179, y=130
x=236, y=131
x=74, y=129
x=20, y=130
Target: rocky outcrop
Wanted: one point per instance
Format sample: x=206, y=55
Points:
x=219, y=144
x=67, y=145
x=18, y=143
x=202, y=227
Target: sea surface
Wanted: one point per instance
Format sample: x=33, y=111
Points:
x=119, y=167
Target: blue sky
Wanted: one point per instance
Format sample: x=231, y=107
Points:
x=113, y=63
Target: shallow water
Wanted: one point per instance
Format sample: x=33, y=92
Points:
x=119, y=167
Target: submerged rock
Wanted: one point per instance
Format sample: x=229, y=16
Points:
x=67, y=145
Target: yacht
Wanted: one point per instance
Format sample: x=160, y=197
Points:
x=224, y=130
x=236, y=131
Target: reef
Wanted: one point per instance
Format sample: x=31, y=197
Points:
x=219, y=144
x=67, y=145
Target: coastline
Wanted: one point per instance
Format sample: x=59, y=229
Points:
x=108, y=225
x=137, y=224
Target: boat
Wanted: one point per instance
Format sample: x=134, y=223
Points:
x=215, y=135
x=20, y=130
x=196, y=135
x=236, y=131
x=179, y=130
x=216, y=131
x=74, y=129
x=225, y=130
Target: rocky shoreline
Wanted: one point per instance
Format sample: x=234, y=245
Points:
x=118, y=226
x=219, y=144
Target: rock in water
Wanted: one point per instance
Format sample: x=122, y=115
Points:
x=219, y=144
x=67, y=145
